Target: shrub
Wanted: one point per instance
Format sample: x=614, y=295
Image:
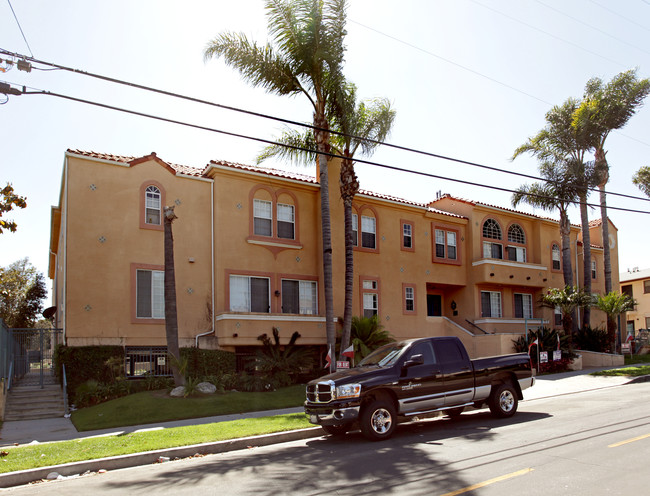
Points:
x=589, y=339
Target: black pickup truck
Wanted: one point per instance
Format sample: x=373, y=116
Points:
x=414, y=378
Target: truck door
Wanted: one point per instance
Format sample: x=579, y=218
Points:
x=457, y=371
x=421, y=387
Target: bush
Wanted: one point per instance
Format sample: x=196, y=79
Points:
x=203, y=363
x=547, y=339
x=589, y=339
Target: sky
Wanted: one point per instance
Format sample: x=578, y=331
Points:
x=469, y=79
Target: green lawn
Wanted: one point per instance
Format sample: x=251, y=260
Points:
x=47, y=454
x=157, y=406
x=626, y=371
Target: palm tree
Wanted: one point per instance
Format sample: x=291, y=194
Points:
x=606, y=107
x=567, y=300
x=306, y=57
x=642, y=179
x=558, y=193
x=171, y=319
x=614, y=304
x=362, y=125
x=367, y=335
x=562, y=139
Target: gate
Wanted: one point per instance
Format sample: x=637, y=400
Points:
x=32, y=354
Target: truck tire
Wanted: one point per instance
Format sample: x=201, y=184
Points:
x=503, y=400
x=336, y=430
x=378, y=420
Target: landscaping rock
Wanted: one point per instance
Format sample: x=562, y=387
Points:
x=178, y=392
x=206, y=388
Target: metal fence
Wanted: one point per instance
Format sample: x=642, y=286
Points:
x=142, y=361
x=32, y=355
x=5, y=354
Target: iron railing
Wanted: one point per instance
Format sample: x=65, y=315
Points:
x=142, y=361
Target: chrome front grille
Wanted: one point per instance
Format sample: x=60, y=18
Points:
x=322, y=392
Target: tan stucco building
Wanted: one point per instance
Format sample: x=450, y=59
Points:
x=248, y=258
x=636, y=284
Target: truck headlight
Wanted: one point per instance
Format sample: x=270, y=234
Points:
x=348, y=391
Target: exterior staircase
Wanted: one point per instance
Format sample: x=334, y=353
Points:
x=29, y=402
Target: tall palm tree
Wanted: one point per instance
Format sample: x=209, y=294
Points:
x=562, y=139
x=358, y=125
x=606, y=107
x=306, y=57
x=558, y=193
x=171, y=319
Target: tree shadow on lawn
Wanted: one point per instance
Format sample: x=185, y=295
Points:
x=409, y=462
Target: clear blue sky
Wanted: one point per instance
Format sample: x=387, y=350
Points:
x=470, y=79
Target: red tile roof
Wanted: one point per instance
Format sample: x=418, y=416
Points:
x=265, y=170
x=124, y=159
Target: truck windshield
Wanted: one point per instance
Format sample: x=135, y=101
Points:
x=385, y=356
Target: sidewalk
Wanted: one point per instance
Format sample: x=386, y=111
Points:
x=60, y=429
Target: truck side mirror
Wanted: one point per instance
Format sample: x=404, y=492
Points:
x=414, y=360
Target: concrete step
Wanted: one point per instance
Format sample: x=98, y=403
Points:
x=35, y=415
x=34, y=402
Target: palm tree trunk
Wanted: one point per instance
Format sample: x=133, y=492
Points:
x=349, y=275
x=171, y=319
x=565, y=233
x=586, y=250
x=605, y=229
x=326, y=225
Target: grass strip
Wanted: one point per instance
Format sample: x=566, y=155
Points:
x=157, y=406
x=56, y=453
x=625, y=371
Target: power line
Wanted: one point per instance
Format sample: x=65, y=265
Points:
x=302, y=124
x=332, y=155
x=619, y=15
x=19, y=27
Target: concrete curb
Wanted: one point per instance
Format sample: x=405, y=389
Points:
x=11, y=479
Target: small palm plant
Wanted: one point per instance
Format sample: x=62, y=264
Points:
x=613, y=304
x=367, y=335
x=279, y=364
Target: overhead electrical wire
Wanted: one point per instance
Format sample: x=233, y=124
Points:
x=332, y=155
x=297, y=123
x=20, y=27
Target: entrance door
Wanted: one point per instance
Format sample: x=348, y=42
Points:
x=434, y=305
x=33, y=353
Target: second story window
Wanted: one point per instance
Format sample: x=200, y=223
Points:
x=355, y=230
x=555, y=255
x=370, y=297
x=516, y=235
x=593, y=269
x=249, y=294
x=262, y=218
x=407, y=235
x=368, y=232
x=446, y=244
x=153, y=208
x=150, y=294
x=492, y=231
x=286, y=222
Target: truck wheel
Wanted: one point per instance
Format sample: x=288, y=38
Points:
x=378, y=420
x=503, y=401
x=336, y=430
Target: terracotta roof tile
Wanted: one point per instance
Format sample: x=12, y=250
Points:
x=126, y=159
x=266, y=170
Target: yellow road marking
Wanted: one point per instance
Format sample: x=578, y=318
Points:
x=616, y=445
x=488, y=482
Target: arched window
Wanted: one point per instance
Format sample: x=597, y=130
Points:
x=555, y=255
x=492, y=230
x=516, y=234
x=152, y=205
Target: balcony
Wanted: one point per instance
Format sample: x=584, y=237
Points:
x=507, y=272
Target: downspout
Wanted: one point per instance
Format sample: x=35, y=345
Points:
x=211, y=265
x=65, y=250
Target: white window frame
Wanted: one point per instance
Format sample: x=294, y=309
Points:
x=241, y=293
x=520, y=253
x=407, y=234
x=409, y=297
x=487, y=249
x=556, y=256
x=593, y=269
x=307, y=297
x=495, y=305
x=156, y=294
x=265, y=213
x=152, y=203
x=370, y=304
x=446, y=239
x=526, y=305
x=355, y=230
x=287, y=213
x=369, y=226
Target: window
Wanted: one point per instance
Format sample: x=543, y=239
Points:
x=446, y=244
x=516, y=234
x=355, y=230
x=150, y=294
x=627, y=289
x=558, y=316
x=646, y=286
x=407, y=235
x=249, y=294
x=286, y=222
x=490, y=304
x=299, y=297
x=555, y=256
x=368, y=232
x=262, y=218
x=370, y=297
x=409, y=299
x=647, y=322
x=492, y=230
x=152, y=206
x=593, y=269
x=517, y=253
x=523, y=306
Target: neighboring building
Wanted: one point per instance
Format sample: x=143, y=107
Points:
x=248, y=258
x=636, y=284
